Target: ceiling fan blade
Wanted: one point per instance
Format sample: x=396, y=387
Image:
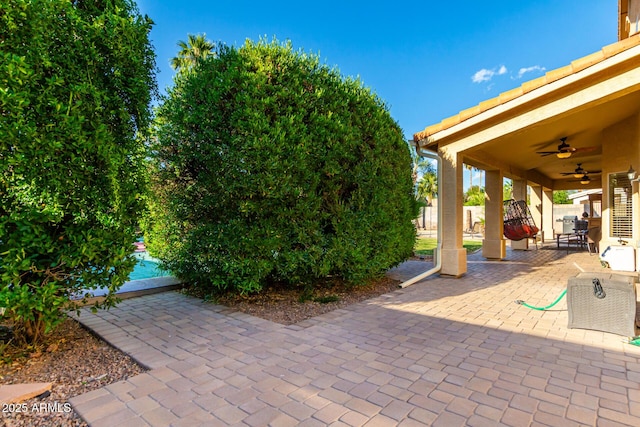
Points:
x=578, y=171
x=546, y=153
x=584, y=172
x=585, y=149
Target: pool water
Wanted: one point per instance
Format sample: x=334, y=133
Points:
x=146, y=268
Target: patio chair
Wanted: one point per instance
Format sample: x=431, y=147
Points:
x=475, y=229
x=518, y=222
x=593, y=239
x=535, y=239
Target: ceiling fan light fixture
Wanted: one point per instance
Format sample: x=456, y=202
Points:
x=585, y=180
x=564, y=154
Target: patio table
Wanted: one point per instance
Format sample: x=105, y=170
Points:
x=577, y=238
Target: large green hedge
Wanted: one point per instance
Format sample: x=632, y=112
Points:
x=76, y=80
x=274, y=168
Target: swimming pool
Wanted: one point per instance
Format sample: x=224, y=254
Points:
x=146, y=268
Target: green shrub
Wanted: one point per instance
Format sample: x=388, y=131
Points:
x=273, y=167
x=75, y=88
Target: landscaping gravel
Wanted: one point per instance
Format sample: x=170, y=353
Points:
x=75, y=361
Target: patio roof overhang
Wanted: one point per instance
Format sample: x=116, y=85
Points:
x=578, y=102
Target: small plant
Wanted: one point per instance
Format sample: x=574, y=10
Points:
x=306, y=295
x=327, y=299
x=212, y=298
x=4, y=357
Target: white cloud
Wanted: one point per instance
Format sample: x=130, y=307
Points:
x=485, y=74
x=524, y=71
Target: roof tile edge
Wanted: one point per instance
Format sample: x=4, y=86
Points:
x=550, y=77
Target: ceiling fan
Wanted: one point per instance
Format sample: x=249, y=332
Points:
x=580, y=172
x=584, y=180
x=564, y=150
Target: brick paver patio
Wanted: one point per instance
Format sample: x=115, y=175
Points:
x=443, y=352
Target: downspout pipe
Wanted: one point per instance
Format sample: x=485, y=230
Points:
x=438, y=252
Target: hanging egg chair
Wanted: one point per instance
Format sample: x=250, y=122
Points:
x=518, y=222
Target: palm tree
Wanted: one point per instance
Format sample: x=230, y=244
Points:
x=427, y=190
x=428, y=186
x=475, y=196
x=507, y=189
x=470, y=169
x=196, y=48
x=421, y=166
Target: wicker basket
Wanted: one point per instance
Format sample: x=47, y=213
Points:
x=603, y=302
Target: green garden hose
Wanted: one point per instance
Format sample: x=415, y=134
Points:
x=632, y=340
x=519, y=301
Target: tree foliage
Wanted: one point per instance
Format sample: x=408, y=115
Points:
x=507, y=189
x=76, y=79
x=474, y=196
x=427, y=188
x=273, y=168
x=561, y=197
x=420, y=165
x=195, y=49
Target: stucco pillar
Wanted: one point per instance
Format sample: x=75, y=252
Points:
x=493, y=245
x=450, y=194
x=535, y=206
x=547, y=215
x=520, y=193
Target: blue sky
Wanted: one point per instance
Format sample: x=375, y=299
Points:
x=427, y=60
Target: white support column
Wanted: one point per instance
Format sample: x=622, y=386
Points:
x=520, y=193
x=450, y=194
x=493, y=245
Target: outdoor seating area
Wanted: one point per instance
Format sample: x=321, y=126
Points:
x=575, y=240
x=430, y=354
x=578, y=235
x=580, y=240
